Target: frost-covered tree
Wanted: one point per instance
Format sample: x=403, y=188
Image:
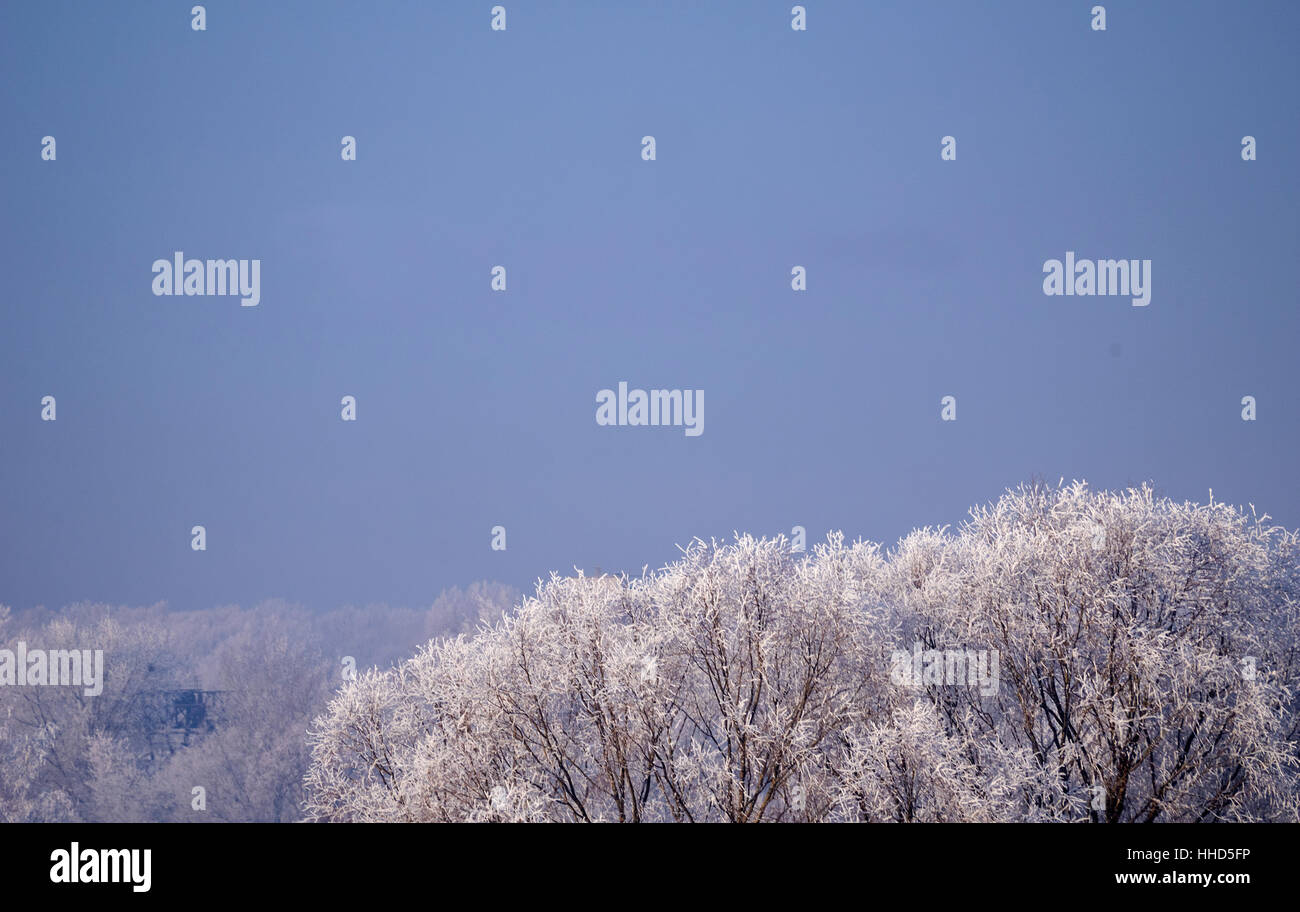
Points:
x=1145, y=650
x=27, y=796
x=718, y=689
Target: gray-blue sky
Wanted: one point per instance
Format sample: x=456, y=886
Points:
x=522, y=148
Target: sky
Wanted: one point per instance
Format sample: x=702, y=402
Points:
x=523, y=148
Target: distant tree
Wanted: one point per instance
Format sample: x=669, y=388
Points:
x=65, y=755
x=251, y=767
x=75, y=741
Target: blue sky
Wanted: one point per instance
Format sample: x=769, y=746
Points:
x=522, y=148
